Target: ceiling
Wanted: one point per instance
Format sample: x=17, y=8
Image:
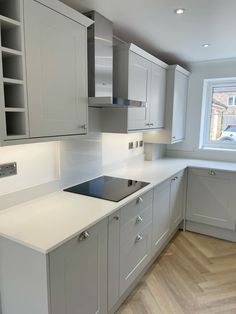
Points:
x=153, y=25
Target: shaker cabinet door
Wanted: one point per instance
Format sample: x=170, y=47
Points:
x=56, y=59
x=161, y=215
x=177, y=200
x=157, y=97
x=211, y=197
x=179, y=106
x=78, y=274
x=138, y=89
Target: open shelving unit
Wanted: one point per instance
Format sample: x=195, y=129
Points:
x=13, y=100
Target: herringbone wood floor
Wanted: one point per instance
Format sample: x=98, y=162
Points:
x=195, y=274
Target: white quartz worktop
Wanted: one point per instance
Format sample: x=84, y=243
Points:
x=47, y=222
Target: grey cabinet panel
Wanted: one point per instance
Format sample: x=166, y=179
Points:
x=211, y=197
x=56, y=54
x=78, y=274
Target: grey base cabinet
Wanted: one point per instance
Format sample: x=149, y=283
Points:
x=72, y=279
x=211, y=197
x=78, y=274
x=168, y=209
x=161, y=215
x=129, y=243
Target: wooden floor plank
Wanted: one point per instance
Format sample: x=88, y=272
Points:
x=195, y=274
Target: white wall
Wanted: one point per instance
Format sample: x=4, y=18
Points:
x=190, y=147
x=37, y=164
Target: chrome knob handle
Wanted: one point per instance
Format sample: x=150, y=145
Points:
x=212, y=173
x=83, y=126
x=151, y=124
x=84, y=235
x=116, y=217
x=139, y=200
x=138, y=238
x=176, y=178
x=139, y=219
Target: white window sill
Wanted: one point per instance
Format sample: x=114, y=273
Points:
x=219, y=149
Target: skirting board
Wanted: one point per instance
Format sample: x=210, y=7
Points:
x=224, y=234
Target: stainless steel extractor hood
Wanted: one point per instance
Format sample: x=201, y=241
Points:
x=100, y=65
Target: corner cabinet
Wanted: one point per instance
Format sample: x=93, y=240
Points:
x=211, y=197
x=175, y=111
x=140, y=77
x=44, y=71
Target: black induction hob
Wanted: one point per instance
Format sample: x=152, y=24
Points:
x=108, y=188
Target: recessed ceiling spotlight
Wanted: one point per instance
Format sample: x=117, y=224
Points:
x=206, y=45
x=179, y=11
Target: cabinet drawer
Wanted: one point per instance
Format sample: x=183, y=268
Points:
x=135, y=207
x=134, y=256
x=136, y=224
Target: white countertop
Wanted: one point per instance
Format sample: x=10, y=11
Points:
x=47, y=222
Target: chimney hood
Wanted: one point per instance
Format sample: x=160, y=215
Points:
x=100, y=65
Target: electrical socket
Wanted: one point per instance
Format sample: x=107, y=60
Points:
x=9, y=169
x=131, y=145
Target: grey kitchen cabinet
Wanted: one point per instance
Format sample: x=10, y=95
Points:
x=161, y=215
x=140, y=77
x=44, y=72
x=135, y=238
x=168, y=209
x=175, y=110
x=113, y=259
x=56, y=54
x=72, y=279
x=211, y=197
x=129, y=245
x=78, y=274
x=157, y=97
x=177, y=199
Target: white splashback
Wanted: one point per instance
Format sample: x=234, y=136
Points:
x=36, y=163
x=88, y=157
x=115, y=147
x=46, y=167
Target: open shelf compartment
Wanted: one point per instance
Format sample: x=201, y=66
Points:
x=10, y=9
x=15, y=124
x=14, y=96
x=12, y=66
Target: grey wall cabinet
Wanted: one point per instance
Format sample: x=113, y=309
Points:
x=175, y=109
x=44, y=71
x=141, y=77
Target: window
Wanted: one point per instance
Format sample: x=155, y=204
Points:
x=219, y=114
x=231, y=100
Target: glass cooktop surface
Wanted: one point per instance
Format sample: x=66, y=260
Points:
x=108, y=188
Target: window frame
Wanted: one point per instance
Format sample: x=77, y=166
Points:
x=234, y=101
x=205, y=142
